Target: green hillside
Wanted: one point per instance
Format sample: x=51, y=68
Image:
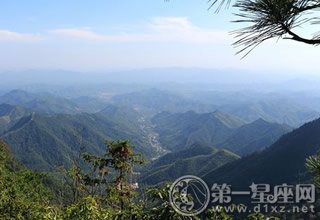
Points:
x=220, y=129
x=45, y=141
x=254, y=136
x=180, y=130
x=23, y=193
x=198, y=160
x=42, y=103
x=282, y=162
x=9, y=115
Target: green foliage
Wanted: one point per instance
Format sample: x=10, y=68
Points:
x=88, y=208
x=269, y=19
x=260, y=216
x=313, y=165
x=22, y=193
x=121, y=159
x=162, y=208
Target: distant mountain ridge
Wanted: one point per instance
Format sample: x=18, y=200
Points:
x=43, y=103
x=254, y=136
x=180, y=130
x=281, y=111
x=282, y=162
x=153, y=101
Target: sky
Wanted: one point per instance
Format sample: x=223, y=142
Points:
x=103, y=35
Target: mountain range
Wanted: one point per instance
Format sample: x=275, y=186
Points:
x=153, y=101
x=44, y=102
x=180, y=130
x=198, y=159
x=45, y=131
x=42, y=141
x=282, y=111
x=9, y=115
x=282, y=162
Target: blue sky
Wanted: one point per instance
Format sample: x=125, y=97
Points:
x=100, y=35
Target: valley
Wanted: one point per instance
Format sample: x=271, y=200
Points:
x=159, y=110
x=158, y=123
x=233, y=143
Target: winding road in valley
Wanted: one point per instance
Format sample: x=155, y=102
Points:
x=153, y=137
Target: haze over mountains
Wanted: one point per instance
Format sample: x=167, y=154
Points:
x=236, y=77
x=44, y=141
x=105, y=106
x=282, y=162
x=180, y=128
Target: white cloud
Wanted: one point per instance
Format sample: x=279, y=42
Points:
x=180, y=29
x=202, y=47
x=78, y=33
x=6, y=36
x=165, y=29
x=161, y=29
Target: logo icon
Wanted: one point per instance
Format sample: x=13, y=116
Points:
x=189, y=195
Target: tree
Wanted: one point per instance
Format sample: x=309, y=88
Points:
x=118, y=162
x=313, y=165
x=22, y=192
x=272, y=19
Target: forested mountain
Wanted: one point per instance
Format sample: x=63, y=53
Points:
x=282, y=111
x=10, y=114
x=220, y=129
x=283, y=107
x=45, y=141
x=8, y=160
x=282, y=162
x=198, y=159
x=201, y=158
x=182, y=129
x=89, y=104
x=43, y=103
x=254, y=137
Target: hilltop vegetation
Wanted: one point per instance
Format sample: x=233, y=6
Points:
x=93, y=196
x=23, y=194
